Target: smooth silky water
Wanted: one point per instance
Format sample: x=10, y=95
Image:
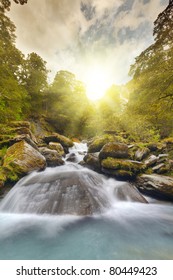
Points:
x=30, y=227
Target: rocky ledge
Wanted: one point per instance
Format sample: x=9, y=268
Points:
x=145, y=164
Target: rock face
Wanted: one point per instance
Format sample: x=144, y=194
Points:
x=22, y=158
x=114, y=150
x=156, y=185
x=52, y=157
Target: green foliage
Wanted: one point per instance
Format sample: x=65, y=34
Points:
x=67, y=105
x=138, y=128
x=6, y=4
x=34, y=80
x=151, y=89
x=12, y=94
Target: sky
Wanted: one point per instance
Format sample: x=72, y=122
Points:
x=83, y=36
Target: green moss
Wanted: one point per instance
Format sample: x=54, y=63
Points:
x=168, y=140
x=2, y=174
x=114, y=150
x=98, y=142
x=119, y=164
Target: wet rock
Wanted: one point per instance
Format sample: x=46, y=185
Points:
x=92, y=161
x=128, y=192
x=52, y=157
x=58, y=147
x=69, y=192
x=72, y=158
x=156, y=185
x=114, y=150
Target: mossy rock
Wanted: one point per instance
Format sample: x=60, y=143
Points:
x=168, y=140
x=121, y=168
x=3, y=177
x=121, y=164
x=97, y=144
x=20, y=159
x=15, y=124
x=92, y=161
x=114, y=150
x=156, y=147
x=119, y=174
x=58, y=138
x=57, y=147
x=52, y=157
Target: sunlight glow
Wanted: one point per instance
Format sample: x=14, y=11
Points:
x=97, y=82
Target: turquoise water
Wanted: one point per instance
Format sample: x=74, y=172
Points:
x=127, y=231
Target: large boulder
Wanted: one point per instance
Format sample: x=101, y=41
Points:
x=76, y=191
x=60, y=191
x=156, y=185
x=98, y=142
x=52, y=157
x=20, y=159
x=121, y=168
x=58, y=138
x=114, y=150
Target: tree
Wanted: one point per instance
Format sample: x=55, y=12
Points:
x=6, y=4
x=34, y=79
x=67, y=104
x=152, y=84
x=12, y=94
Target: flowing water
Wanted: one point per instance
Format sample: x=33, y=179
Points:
x=71, y=212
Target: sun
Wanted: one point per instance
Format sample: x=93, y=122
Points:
x=97, y=82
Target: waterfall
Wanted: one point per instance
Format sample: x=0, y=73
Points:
x=71, y=212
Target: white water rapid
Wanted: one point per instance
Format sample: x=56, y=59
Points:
x=71, y=212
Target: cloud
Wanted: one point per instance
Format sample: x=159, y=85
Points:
x=74, y=35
